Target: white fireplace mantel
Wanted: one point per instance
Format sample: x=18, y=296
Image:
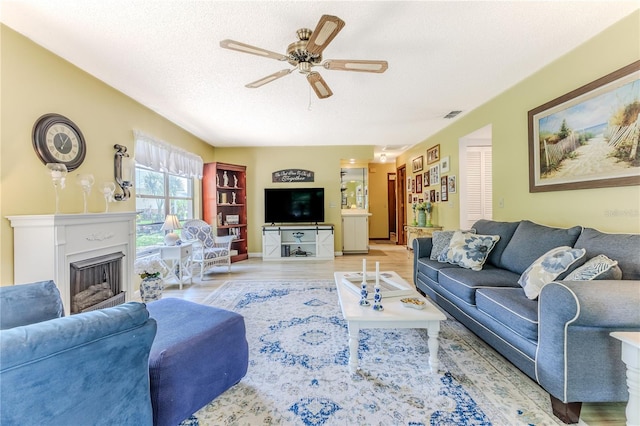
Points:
x=44, y=246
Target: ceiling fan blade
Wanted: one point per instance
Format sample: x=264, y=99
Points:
x=268, y=79
x=246, y=48
x=328, y=27
x=355, y=65
x=319, y=85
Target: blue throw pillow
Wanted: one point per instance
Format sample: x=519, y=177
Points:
x=598, y=268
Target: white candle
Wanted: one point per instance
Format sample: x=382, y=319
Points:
x=56, y=174
x=84, y=182
x=377, y=274
x=364, y=268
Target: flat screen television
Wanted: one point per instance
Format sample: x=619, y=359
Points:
x=293, y=205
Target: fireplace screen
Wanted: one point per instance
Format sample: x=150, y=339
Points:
x=96, y=283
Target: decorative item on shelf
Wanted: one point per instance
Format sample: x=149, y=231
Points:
x=424, y=213
x=58, y=173
x=223, y=198
x=298, y=236
x=377, y=296
x=233, y=198
x=219, y=218
x=86, y=182
x=235, y=181
x=233, y=219
x=149, y=269
x=108, y=189
x=225, y=179
x=363, y=287
x=123, y=171
x=171, y=223
x=414, y=222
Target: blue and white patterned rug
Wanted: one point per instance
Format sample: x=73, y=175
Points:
x=298, y=369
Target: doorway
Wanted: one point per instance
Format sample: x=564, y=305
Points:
x=391, y=206
x=476, y=188
x=401, y=177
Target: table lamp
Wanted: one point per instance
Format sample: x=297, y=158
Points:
x=171, y=223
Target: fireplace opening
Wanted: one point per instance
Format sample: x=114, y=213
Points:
x=96, y=283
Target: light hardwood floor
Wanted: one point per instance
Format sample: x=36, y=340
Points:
x=391, y=257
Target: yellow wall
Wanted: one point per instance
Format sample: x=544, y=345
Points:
x=262, y=161
x=35, y=82
x=607, y=209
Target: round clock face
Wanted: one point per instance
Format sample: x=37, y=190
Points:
x=57, y=139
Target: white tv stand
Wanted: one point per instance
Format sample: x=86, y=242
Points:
x=284, y=242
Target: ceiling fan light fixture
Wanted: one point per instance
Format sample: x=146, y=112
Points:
x=383, y=158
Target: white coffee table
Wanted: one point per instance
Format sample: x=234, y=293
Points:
x=394, y=315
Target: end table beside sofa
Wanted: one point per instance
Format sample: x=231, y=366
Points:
x=560, y=339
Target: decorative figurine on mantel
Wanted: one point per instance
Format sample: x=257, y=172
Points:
x=298, y=236
x=225, y=179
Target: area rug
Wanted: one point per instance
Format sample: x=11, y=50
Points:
x=298, y=369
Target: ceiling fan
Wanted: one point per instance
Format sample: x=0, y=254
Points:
x=307, y=53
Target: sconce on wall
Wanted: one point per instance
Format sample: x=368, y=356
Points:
x=122, y=171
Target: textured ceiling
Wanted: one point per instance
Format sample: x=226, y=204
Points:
x=443, y=56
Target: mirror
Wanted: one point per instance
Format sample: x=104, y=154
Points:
x=354, y=189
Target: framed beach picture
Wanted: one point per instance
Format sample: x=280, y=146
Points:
x=585, y=138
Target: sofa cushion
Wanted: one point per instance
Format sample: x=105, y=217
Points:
x=598, y=268
x=25, y=304
x=504, y=229
x=469, y=250
x=512, y=308
x=430, y=267
x=463, y=282
x=530, y=241
x=625, y=248
x=441, y=240
x=549, y=267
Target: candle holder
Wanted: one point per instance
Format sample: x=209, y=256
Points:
x=377, y=298
x=108, y=189
x=363, y=292
x=58, y=173
x=86, y=182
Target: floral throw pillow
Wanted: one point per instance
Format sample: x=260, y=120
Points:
x=469, y=250
x=598, y=268
x=548, y=267
x=441, y=240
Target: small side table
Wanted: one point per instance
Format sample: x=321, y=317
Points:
x=414, y=232
x=631, y=357
x=177, y=259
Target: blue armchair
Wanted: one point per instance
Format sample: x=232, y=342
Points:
x=91, y=368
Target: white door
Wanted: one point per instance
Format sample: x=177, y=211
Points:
x=476, y=190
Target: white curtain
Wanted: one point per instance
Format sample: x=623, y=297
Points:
x=163, y=157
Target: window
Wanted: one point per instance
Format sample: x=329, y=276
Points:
x=157, y=195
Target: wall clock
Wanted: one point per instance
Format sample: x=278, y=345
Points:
x=56, y=139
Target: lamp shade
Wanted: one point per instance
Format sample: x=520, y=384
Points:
x=171, y=223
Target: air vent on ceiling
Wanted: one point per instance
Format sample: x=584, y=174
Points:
x=452, y=114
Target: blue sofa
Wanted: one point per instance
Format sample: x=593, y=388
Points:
x=85, y=369
x=561, y=338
